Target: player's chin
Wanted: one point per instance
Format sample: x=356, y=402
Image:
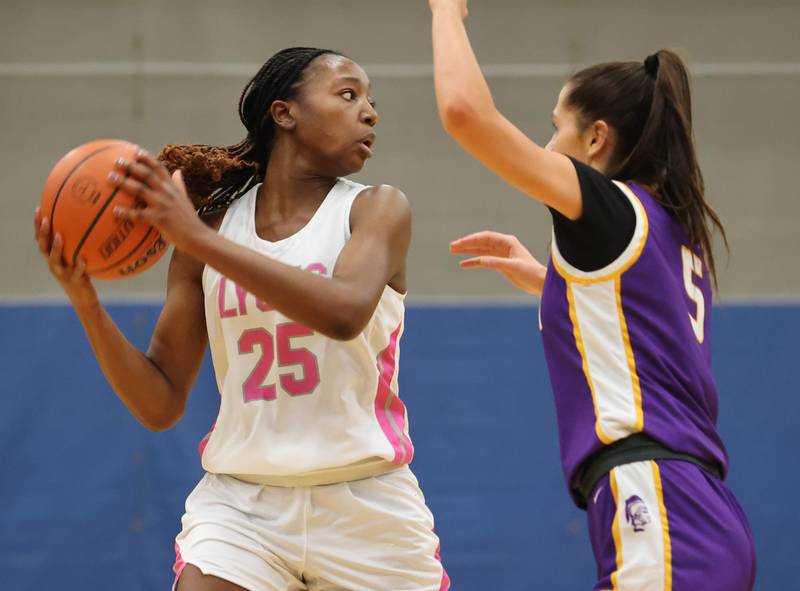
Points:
x=355, y=164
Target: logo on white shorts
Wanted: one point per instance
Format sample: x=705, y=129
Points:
x=636, y=513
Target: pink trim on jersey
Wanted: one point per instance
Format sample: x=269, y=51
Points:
x=201, y=447
x=398, y=410
x=445, y=577
x=179, y=565
x=389, y=409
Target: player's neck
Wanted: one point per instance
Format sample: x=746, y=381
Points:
x=291, y=183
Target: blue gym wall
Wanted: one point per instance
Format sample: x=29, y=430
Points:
x=91, y=500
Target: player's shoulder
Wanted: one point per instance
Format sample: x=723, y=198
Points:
x=380, y=206
x=382, y=195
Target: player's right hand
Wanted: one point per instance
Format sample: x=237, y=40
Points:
x=73, y=279
x=505, y=254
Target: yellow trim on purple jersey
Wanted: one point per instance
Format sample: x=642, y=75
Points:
x=637, y=389
x=622, y=263
x=576, y=330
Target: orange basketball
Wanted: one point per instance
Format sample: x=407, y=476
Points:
x=79, y=201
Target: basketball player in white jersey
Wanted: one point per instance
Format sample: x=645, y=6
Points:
x=295, y=278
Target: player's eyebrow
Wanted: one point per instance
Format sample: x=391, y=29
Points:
x=353, y=80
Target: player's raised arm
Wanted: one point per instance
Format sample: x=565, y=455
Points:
x=470, y=116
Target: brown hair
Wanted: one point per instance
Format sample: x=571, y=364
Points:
x=216, y=175
x=648, y=105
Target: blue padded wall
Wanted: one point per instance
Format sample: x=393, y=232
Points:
x=92, y=500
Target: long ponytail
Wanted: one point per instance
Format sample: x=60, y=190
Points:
x=649, y=107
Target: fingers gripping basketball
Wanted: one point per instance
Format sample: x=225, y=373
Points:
x=167, y=206
x=79, y=200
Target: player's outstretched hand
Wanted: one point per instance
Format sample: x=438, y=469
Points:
x=72, y=278
x=505, y=254
x=460, y=5
x=166, y=204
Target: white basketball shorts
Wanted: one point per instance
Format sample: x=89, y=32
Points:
x=374, y=534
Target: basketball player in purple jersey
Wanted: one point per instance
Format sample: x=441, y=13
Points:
x=296, y=282
x=624, y=314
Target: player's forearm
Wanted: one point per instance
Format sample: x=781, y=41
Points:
x=331, y=306
x=461, y=89
x=136, y=380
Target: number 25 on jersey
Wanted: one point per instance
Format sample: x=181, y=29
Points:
x=279, y=347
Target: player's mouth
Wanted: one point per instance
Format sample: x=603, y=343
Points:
x=366, y=143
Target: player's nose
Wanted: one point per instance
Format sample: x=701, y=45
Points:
x=369, y=116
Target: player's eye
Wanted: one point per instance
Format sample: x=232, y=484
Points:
x=373, y=103
x=349, y=95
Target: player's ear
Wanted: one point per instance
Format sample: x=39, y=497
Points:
x=281, y=113
x=597, y=137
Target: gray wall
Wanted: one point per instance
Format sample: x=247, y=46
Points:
x=121, y=80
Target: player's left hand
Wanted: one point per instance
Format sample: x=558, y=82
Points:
x=505, y=254
x=166, y=203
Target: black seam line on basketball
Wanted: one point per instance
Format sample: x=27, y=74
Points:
x=127, y=256
x=94, y=223
x=70, y=173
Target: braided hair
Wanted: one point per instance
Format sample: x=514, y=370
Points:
x=217, y=175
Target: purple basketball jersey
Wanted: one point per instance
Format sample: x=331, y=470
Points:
x=628, y=345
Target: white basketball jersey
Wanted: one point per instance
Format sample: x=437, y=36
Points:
x=298, y=407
